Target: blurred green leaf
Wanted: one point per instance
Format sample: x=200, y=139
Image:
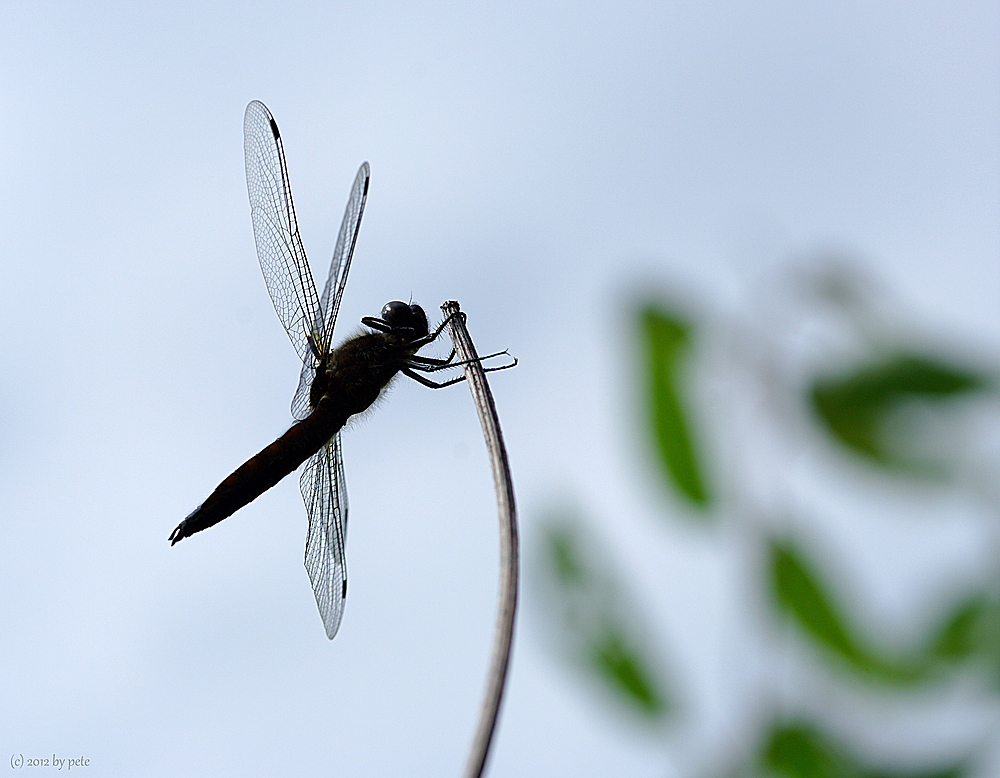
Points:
x=624, y=670
x=961, y=634
x=799, y=750
x=856, y=405
x=799, y=590
x=597, y=620
x=970, y=632
x=666, y=339
x=564, y=555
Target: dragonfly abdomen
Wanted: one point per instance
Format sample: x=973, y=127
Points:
x=263, y=470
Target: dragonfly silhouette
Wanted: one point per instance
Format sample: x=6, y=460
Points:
x=334, y=384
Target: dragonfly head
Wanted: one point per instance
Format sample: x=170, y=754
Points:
x=407, y=320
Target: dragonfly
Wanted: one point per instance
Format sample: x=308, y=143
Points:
x=335, y=383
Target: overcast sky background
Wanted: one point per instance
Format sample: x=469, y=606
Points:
x=535, y=162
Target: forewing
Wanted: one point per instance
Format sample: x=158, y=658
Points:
x=336, y=280
x=276, y=231
x=343, y=252
x=325, y=495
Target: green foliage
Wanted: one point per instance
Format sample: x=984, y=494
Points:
x=804, y=596
x=970, y=632
x=857, y=405
x=798, y=750
x=799, y=591
x=858, y=408
x=665, y=338
x=564, y=552
x=598, y=620
x=626, y=670
x=967, y=630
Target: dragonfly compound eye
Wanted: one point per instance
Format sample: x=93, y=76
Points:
x=399, y=315
x=419, y=320
x=396, y=313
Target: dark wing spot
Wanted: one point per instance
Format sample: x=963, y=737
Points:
x=274, y=129
x=343, y=593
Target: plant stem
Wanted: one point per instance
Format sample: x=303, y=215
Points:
x=503, y=636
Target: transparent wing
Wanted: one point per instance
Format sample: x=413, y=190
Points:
x=300, y=402
x=276, y=231
x=336, y=281
x=325, y=494
x=342, y=253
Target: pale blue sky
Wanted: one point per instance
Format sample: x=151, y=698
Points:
x=535, y=162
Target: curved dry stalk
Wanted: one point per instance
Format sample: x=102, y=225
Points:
x=504, y=633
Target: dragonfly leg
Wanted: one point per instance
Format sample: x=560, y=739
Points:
x=421, y=342
x=425, y=365
x=428, y=382
x=431, y=361
x=442, y=325
x=409, y=369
